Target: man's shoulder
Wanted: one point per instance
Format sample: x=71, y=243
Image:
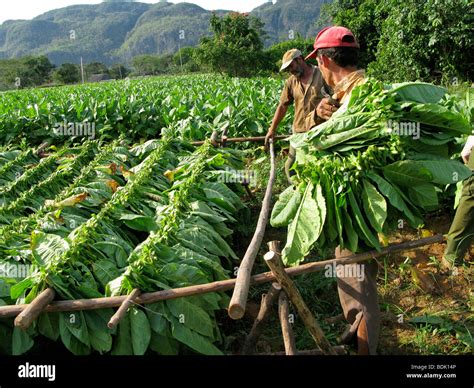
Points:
x=291, y=80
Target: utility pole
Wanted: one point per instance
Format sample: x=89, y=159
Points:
x=180, y=57
x=82, y=71
x=181, y=37
x=72, y=37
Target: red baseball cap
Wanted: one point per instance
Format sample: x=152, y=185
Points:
x=333, y=37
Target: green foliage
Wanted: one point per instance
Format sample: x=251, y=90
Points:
x=366, y=171
x=167, y=63
x=95, y=68
x=119, y=71
x=67, y=73
x=186, y=57
x=25, y=72
x=364, y=18
x=8, y=73
x=428, y=41
x=140, y=109
x=306, y=226
x=410, y=40
x=236, y=48
x=35, y=70
x=93, y=243
x=151, y=64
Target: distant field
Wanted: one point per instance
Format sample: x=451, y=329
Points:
x=138, y=109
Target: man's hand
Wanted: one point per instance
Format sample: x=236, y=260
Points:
x=466, y=155
x=466, y=152
x=270, y=135
x=325, y=109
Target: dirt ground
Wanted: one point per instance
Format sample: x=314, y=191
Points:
x=436, y=305
x=425, y=309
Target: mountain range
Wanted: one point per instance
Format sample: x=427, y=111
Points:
x=112, y=32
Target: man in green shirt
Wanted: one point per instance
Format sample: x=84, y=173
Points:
x=461, y=234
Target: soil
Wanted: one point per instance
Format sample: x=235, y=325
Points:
x=410, y=284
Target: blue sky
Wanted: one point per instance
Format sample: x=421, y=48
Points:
x=28, y=9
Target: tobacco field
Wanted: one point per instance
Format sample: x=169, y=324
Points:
x=129, y=203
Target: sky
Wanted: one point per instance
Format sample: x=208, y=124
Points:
x=28, y=9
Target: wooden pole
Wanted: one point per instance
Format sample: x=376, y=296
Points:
x=268, y=300
x=82, y=71
x=254, y=139
x=34, y=309
x=219, y=286
x=286, y=330
x=241, y=290
x=117, y=317
x=214, y=139
x=224, y=138
x=273, y=260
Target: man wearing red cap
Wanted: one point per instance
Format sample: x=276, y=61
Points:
x=336, y=51
x=303, y=89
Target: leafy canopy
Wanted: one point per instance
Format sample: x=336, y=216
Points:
x=410, y=40
x=236, y=48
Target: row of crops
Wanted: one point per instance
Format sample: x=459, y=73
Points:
x=138, y=109
x=135, y=206
x=100, y=220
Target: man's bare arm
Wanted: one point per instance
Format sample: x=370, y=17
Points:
x=277, y=118
x=466, y=152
